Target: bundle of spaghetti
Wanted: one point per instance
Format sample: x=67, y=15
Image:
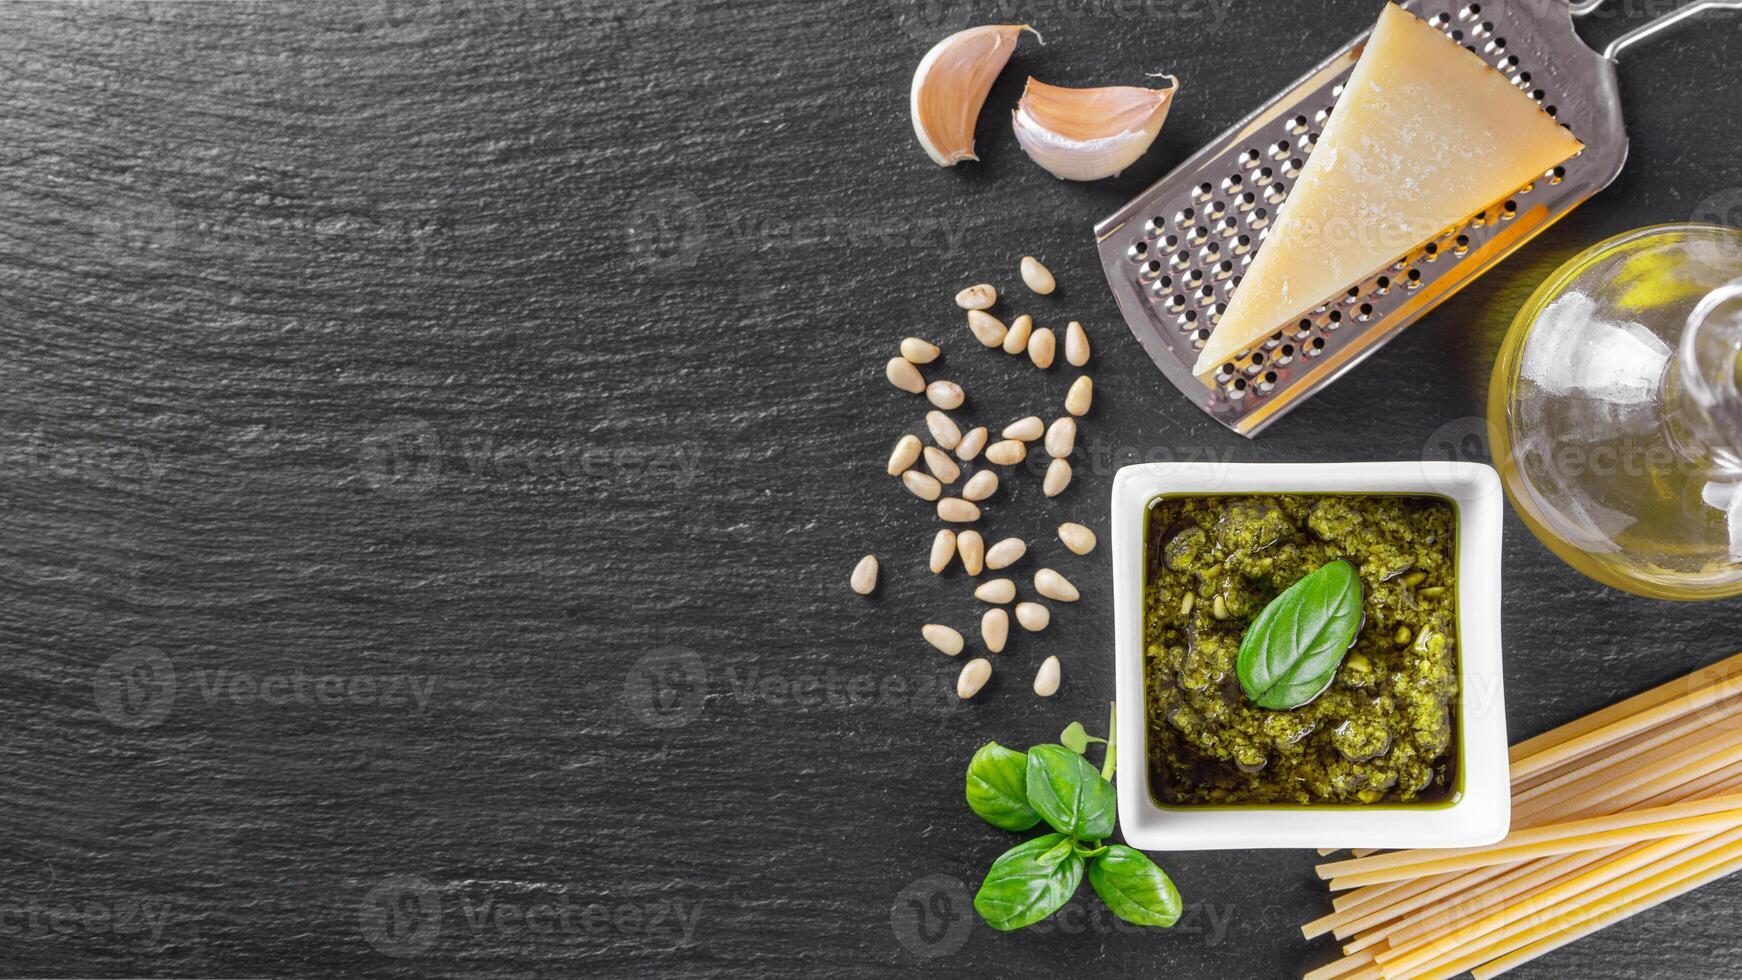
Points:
x=1613, y=814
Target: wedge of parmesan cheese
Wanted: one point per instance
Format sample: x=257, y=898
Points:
x=1425, y=135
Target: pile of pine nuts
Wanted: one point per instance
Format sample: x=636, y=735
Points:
x=1058, y=439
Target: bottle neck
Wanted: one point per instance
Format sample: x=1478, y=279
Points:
x=1705, y=383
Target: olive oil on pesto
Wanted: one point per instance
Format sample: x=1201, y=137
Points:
x=1384, y=732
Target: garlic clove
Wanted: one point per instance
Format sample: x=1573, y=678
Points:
x=1089, y=133
x=951, y=85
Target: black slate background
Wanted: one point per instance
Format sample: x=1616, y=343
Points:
x=530, y=352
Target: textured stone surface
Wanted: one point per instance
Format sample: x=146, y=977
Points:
x=477, y=405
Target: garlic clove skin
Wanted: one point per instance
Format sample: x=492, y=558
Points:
x=1089, y=133
x=951, y=84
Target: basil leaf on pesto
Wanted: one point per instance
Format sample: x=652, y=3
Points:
x=1291, y=652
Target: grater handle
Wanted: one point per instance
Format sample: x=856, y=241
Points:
x=1664, y=23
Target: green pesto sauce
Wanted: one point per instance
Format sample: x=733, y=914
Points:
x=1383, y=732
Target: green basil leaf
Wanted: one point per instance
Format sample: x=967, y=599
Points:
x=997, y=787
x=1291, y=652
x=1076, y=738
x=1028, y=883
x=1069, y=793
x=1134, y=888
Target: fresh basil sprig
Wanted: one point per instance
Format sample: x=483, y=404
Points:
x=1291, y=652
x=1015, y=790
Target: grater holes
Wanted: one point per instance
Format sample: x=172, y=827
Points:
x=1182, y=260
x=1243, y=244
x=1509, y=64
x=1204, y=193
x=1155, y=226
x=1194, y=279
x=1264, y=177
x=1217, y=311
x=1209, y=253
x=1248, y=160
x=1228, y=226
x=1495, y=46
x=1431, y=253
x=1138, y=251
x=1297, y=125
x=1197, y=236
x=1206, y=295
x=1151, y=270
x=1224, y=270
x=1483, y=29
x=1161, y=287
x=1470, y=12
x=1280, y=150
x=1509, y=211
x=1413, y=280
x=1232, y=185
x=1332, y=321
x=1556, y=175
x=1322, y=116
x=1215, y=211
x=1382, y=285
x=1246, y=202
x=1276, y=193
x=1364, y=313
x=1440, y=20
x=1462, y=246
x=1188, y=321
x=1176, y=303
x=1292, y=168
x=1236, y=389
x=1551, y=110
x=1309, y=143
x=1267, y=383
x=1185, y=217
x=1200, y=338
x=1284, y=356
x=1315, y=347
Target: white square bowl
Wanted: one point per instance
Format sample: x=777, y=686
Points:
x=1481, y=814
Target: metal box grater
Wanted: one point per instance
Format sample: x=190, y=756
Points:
x=1174, y=255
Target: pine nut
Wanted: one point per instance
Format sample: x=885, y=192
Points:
x=1054, y=586
x=1061, y=437
x=1025, y=430
x=1041, y=347
x=972, y=443
x=902, y=374
x=990, y=330
x=943, y=548
x=1078, y=538
x=1006, y=553
x=1187, y=604
x=1006, y=453
x=864, y=580
x=1076, y=344
x=1016, y=341
x=995, y=629
x=979, y=297
x=974, y=676
x=1058, y=476
x=919, y=351
x=997, y=591
x=948, y=395
x=1219, y=608
x=1046, y=679
x=1038, y=277
x=980, y=486
x=1082, y=392
x=941, y=465
x=905, y=454
x=958, y=511
x=942, y=637
x=943, y=430
x=1033, y=616
x=924, y=487
x=972, y=548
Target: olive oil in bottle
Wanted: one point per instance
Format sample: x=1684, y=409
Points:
x=1616, y=405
